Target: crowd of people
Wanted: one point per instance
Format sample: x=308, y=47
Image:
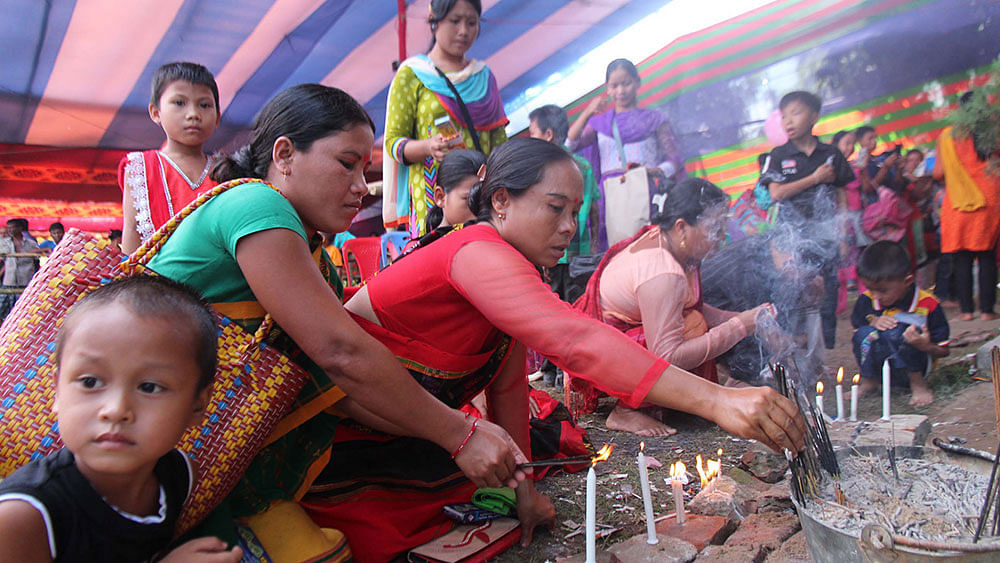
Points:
x=382, y=438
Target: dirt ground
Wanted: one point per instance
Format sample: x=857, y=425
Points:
x=963, y=409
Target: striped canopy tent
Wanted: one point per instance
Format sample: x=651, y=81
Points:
x=76, y=73
x=897, y=65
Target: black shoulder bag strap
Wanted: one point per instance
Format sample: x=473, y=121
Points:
x=465, y=111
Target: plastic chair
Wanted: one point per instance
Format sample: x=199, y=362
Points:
x=393, y=243
x=361, y=259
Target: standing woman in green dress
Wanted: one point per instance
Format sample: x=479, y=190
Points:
x=429, y=92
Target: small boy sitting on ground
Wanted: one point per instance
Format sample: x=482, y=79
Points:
x=136, y=360
x=896, y=321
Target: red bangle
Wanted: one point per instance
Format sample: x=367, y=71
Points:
x=466, y=440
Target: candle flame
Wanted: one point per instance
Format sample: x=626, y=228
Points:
x=602, y=454
x=840, y=375
x=677, y=470
x=719, y=453
x=708, y=470
x=856, y=379
x=642, y=446
x=819, y=387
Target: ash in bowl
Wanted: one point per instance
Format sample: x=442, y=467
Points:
x=928, y=501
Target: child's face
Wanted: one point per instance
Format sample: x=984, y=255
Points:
x=846, y=145
x=888, y=291
x=125, y=392
x=535, y=132
x=186, y=112
x=798, y=120
x=455, y=204
x=868, y=141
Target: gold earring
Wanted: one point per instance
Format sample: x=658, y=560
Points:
x=500, y=215
x=683, y=244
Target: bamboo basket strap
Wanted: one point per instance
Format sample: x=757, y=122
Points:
x=138, y=260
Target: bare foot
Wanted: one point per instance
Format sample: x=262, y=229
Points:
x=922, y=395
x=628, y=420
x=866, y=386
x=989, y=316
x=964, y=317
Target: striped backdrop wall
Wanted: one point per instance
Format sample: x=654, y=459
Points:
x=896, y=65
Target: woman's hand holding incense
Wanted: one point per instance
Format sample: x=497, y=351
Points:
x=763, y=414
x=533, y=509
x=490, y=457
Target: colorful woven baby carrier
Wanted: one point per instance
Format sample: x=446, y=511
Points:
x=254, y=384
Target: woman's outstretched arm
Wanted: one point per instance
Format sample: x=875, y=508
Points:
x=508, y=291
x=280, y=270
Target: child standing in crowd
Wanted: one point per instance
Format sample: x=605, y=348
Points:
x=896, y=321
x=803, y=177
x=458, y=172
x=550, y=123
x=56, y=231
x=156, y=184
x=136, y=362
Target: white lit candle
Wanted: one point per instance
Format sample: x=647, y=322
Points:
x=591, y=515
x=677, y=471
x=839, y=389
x=819, y=397
x=885, y=390
x=854, y=396
x=647, y=499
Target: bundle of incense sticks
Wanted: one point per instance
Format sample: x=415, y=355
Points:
x=806, y=475
x=562, y=461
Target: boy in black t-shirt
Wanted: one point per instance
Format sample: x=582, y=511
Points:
x=136, y=359
x=803, y=177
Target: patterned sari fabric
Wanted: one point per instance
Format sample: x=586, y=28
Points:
x=386, y=492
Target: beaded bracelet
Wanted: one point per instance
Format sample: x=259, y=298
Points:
x=466, y=440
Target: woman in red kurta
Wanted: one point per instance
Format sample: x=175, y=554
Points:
x=481, y=298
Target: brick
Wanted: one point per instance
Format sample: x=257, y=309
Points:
x=905, y=429
x=776, y=498
x=794, y=550
x=764, y=464
x=724, y=497
x=668, y=550
x=698, y=530
x=767, y=529
x=731, y=554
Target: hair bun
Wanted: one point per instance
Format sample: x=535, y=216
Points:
x=243, y=158
x=474, y=194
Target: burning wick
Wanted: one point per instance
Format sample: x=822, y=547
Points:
x=677, y=471
x=854, y=396
x=591, y=528
x=713, y=468
x=819, y=397
x=647, y=500
x=840, y=393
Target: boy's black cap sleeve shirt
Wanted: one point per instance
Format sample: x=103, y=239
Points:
x=788, y=163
